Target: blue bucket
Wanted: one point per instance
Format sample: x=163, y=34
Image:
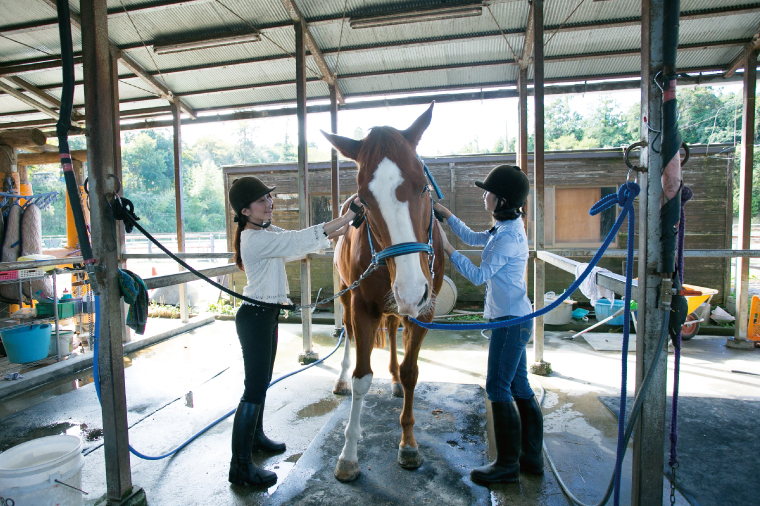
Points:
x=604, y=309
x=27, y=344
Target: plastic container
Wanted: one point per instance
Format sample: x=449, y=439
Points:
x=562, y=314
x=604, y=308
x=65, y=343
x=446, y=298
x=27, y=344
x=30, y=472
x=65, y=309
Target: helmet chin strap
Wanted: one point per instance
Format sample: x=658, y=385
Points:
x=263, y=225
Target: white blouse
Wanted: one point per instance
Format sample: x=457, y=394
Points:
x=264, y=253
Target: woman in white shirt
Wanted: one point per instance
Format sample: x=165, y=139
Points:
x=518, y=422
x=261, y=250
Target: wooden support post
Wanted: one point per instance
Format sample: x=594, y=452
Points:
x=179, y=201
x=308, y=355
x=539, y=268
x=521, y=146
x=745, y=203
x=99, y=108
x=649, y=431
x=335, y=178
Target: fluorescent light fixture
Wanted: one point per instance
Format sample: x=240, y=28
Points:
x=417, y=16
x=226, y=39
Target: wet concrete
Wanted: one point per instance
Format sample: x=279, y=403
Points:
x=450, y=431
x=179, y=386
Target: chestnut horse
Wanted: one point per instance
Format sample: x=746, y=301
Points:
x=397, y=203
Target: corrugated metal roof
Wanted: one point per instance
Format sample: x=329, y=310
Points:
x=453, y=53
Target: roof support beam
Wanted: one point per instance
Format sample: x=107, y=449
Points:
x=42, y=95
x=10, y=90
x=130, y=63
x=316, y=53
x=741, y=58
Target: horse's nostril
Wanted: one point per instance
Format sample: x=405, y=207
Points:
x=423, y=301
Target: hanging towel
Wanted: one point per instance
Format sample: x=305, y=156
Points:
x=590, y=289
x=135, y=294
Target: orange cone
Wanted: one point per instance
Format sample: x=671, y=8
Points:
x=153, y=271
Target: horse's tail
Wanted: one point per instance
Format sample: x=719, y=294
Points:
x=381, y=337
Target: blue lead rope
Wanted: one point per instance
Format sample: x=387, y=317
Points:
x=624, y=198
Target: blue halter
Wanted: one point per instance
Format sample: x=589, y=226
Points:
x=405, y=248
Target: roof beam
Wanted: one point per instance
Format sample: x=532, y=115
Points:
x=316, y=53
x=45, y=63
x=583, y=84
x=10, y=90
x=741, y=58
x=135, y=67
x=42, y=95
x=113, y=13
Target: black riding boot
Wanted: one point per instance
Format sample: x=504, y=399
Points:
x=506, y=426
x=531, y=457
x=260, y=441
x=242, y=468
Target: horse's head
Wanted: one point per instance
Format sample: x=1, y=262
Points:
x=393, y=188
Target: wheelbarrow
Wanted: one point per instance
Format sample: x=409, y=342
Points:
x=695, y=297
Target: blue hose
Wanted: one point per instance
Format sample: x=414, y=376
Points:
x=215, y=422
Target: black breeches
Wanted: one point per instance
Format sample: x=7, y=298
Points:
x=257, y=330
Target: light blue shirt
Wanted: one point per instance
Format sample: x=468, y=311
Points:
x=503, y=266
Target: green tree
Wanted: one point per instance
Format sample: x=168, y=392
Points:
x=561, y=121
x=147, y=161
x=606, y=124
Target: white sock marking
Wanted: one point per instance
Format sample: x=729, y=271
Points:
x=359, y=388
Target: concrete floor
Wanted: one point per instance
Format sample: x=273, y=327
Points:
x=177, y=387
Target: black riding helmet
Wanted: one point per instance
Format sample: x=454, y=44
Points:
x=509, y=183
x=246, y=190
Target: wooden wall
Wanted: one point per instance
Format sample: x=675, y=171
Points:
x=708, y=220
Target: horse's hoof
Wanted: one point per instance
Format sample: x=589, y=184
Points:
x=409, y=457
x=397, y=390
x=341, y=388
x=346, y=470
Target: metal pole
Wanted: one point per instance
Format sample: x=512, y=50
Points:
x=522, y=111
x=745, y=204
x=180, y=210
x=649, y=431
x=308, y=355
x=335, y=177
x=539, y=268
x=100, y=155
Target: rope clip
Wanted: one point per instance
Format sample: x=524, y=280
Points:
x=666, y=294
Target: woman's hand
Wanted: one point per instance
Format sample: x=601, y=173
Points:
x=442, y=211
x=339, y=226
x=447, y=247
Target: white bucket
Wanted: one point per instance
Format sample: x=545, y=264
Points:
x=562, y=314
x=28, y=472
x=447, y=297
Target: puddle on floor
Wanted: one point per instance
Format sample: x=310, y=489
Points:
x=319, y=408
x=84, y=432
x=294, y=458
x=42, y=393
x=282, y=469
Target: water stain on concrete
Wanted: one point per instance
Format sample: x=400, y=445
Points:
x=55, y=429
x=319, y=408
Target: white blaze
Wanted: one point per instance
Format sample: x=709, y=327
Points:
x=410, y=283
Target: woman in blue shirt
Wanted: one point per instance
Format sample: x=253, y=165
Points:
x=518, y=422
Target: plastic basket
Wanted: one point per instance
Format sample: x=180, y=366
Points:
x=65, y=309
x=31, y=273
x=6, y=275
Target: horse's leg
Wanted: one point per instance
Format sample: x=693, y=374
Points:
x=392, y=322
x=347, y=468
x=341, y=383
x=408, y=453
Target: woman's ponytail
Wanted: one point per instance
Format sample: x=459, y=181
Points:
x=236, y=243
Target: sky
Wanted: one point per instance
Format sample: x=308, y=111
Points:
x=454, y=124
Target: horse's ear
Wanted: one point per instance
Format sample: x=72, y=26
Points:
x=347, y=147
x=414, y=133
